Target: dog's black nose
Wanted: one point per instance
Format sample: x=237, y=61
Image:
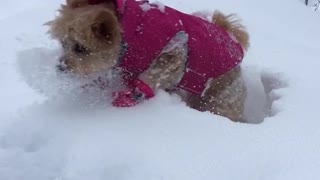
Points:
x=61, y=67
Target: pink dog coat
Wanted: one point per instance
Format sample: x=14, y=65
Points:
x=147, y=29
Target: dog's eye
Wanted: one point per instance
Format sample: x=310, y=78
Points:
x=77, y=48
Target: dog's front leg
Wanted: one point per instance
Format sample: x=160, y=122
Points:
x=164, y=73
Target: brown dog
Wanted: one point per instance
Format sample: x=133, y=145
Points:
x=92, y=40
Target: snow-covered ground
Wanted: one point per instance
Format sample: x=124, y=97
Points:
x=50, y=132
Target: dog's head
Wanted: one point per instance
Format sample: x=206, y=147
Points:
x=90, y=35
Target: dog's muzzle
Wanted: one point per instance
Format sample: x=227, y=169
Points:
x=62, y=66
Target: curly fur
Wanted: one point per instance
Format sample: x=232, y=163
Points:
x=232, y=24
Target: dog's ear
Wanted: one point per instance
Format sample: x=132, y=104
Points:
x=105, y=25
x=76, y=3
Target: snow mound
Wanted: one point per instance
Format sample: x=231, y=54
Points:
x=38, y=69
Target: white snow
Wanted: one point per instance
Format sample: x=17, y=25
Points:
x=50, y=131
x=146, y=7
x=161, y=6
x=156, y=5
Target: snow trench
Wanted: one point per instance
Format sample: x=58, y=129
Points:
x=37, y=67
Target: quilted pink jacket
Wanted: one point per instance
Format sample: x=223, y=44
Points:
x=147, y=29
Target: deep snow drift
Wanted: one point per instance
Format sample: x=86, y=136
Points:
x=50, y=131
